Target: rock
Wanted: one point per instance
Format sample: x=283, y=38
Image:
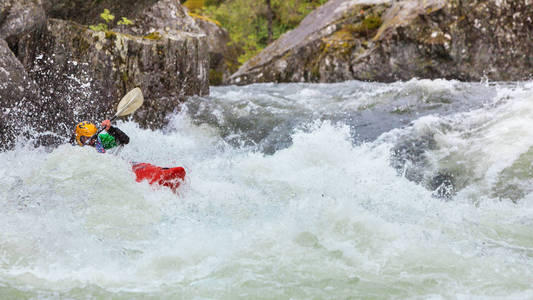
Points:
x=17, y=96
x=165, y=16
x=380, y=40
x=18, y=93
x=275, y=62
x=20, y=17
x=88, y=12
x=4, y=9
x=15, y=83
x=223, y=56
x=169, y=17
x=66, y=72
x=84, y=72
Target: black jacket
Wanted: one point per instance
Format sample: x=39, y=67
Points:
x=119, y=135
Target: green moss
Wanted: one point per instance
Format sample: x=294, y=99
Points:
x=125, y=77
x=315, y=72
x=372, y=22
x=215, y=77
x=110, y=35
x=204, y=18
x=233, y=66
x=81, y=44
x=153, y=36
x=366, y=27
x=342, y=41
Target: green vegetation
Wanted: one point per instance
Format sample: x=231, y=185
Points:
x=253, y=24
x=215, y=77
x=108, y=19
x=125, y=21
x=153, y=36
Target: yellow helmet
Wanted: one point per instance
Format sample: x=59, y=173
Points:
x=85, y=129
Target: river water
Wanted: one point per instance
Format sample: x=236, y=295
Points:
x=418, y=189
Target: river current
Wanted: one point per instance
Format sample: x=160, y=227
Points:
x=418, y=189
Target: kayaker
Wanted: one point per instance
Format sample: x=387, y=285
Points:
x=114, y=136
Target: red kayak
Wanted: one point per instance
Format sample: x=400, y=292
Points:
x=169, y=177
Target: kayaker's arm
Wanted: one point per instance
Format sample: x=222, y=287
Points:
x=119, y=135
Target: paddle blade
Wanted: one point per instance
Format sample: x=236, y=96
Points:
x=130, y=102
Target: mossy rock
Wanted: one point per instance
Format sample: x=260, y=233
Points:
x=194, y=5
x=81, y=43
x=366, y=27
x=372, y=22
x=215, y=77
x=342, y=42
x=153, y=36
x=110, y=35
x=204, y=18
x=345, y=38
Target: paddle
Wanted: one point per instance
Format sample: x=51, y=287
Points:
x=127, y=105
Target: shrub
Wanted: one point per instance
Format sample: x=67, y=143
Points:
x=247, y=20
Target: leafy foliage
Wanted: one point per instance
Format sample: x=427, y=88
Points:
x=107, y=16
x=108, y=19
x=247, y=21
x=99, y=27
x=125, y=21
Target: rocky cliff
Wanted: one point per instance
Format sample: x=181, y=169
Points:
x=57, y=72
x=19, y=95
x=167, y=58
x=222, y=53
x=383, y=40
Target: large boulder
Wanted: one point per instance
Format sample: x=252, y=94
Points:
x=18, y=96
x=149, y=16
x=15, y=84
x=4, y=9
x=381, y=40
x=85, y=72
x=18, y=18
x=54, y=73
x=167, y=16
x=18, y=93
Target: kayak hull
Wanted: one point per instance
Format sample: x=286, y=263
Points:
x=168, y=177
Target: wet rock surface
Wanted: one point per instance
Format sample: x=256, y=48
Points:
x=100, y=67
x=80, y=74
x=19, y=18
x=18, y=96
x=386, y=41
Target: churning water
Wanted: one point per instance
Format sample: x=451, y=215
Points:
x=419, y=189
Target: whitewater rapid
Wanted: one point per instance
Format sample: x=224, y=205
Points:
x=418, y=189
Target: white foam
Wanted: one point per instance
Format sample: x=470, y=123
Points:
x=320, y=218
